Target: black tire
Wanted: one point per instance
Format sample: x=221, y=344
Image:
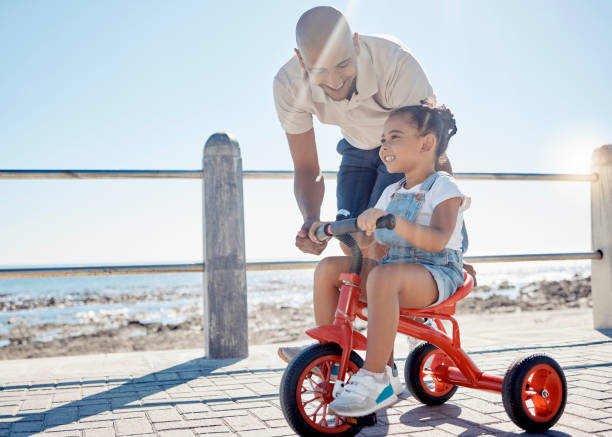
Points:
x=425, y=390
x=296, y=374
x=541, y=376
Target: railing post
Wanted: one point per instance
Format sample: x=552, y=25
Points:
x=225, y=292
x=601, y=235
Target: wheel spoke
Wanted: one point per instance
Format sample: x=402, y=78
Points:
x=314, y=414
x=304, y=403
x=538, y=379
x=323, y=421
x=540, y=406
x=530, y=393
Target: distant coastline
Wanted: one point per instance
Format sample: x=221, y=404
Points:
x=268, y=322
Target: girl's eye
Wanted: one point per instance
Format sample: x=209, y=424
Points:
x=394, y=137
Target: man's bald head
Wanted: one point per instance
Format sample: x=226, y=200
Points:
x=321, y=26
x=328, y=51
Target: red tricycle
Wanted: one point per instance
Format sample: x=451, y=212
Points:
x=534, y=389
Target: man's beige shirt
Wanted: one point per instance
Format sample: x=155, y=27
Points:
x=388, y=77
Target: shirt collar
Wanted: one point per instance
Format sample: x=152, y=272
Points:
x=367, y=84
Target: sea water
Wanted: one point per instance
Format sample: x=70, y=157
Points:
x=172, y=298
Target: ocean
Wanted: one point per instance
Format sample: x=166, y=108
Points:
x=87, y=303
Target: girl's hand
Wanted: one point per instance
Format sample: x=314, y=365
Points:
x=367, y=220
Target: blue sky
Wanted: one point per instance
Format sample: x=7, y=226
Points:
x=139, y=85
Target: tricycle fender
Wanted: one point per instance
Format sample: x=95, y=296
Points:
x=336, y=334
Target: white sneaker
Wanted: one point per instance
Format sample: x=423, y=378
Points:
x=396, y=381
x=364, y=395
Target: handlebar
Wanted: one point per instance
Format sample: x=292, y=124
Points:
x=348, y=226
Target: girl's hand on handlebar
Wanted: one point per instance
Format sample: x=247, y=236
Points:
x=367, y=220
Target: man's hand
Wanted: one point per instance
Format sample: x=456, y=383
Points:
x=306, y=241
x=367, y=220
x=470, y=269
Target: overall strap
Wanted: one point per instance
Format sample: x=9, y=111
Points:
x=419, y=198
x=428, y=183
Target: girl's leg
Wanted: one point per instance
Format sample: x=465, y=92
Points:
x=389, y=287
x=327, y=283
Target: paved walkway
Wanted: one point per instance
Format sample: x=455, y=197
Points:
x=177, y=393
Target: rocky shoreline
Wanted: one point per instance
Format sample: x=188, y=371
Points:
x=268, y=323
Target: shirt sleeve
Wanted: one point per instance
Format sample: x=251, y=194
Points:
x=293, y=119
x=446, y=188
x=407, y=83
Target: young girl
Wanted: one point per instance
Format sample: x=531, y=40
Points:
x=424, y=263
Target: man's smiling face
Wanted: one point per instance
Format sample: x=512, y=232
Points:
x=333, y=67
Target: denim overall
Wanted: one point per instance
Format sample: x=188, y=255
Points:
x=446, y=267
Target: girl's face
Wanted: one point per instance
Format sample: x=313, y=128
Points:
x=402, y=147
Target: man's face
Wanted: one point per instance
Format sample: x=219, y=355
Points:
x=332, y=68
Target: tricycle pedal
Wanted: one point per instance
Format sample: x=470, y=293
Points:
x=369, y=420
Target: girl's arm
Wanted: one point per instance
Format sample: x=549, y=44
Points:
x=434, y=237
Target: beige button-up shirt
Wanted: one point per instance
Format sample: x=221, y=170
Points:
x=388, y=77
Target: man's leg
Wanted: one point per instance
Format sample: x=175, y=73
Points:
x=356, y=178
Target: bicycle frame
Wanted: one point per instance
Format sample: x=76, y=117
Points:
x=465, y=373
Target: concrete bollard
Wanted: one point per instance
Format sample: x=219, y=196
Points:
x=225, y=291
x=601, y=230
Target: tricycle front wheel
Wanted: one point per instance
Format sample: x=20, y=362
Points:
x=306, y=391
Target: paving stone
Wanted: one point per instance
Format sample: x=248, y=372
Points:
x=581, y=423
x=267, y=413
x=168, y=415
x=275, y=432
x=195, y=407
x=26, y=426
x=100, y=432
x=132, y=426
x=244, y=423
x=215, y=431
x=177, y=433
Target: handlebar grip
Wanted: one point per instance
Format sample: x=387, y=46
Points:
x=387, y=221
x=344, y=227
x=349, y=226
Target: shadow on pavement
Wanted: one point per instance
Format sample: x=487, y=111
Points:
x=132, y=390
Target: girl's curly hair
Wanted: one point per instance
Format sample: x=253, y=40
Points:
x=428, y=118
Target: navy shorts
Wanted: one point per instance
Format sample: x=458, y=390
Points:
x=361, y=179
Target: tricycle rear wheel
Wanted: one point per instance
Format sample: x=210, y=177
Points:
x=534, y=392
x=420, y=377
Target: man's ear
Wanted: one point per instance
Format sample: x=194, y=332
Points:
x=429, y=142
x=299, y=56
x=356, y=42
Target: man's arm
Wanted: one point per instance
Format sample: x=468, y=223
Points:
x=307, y=186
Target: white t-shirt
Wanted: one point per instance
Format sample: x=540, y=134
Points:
x=443, y=189
x=388, y=77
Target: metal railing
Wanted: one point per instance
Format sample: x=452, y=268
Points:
x=222, y=169
x=57, y=272
x=50, y=272
x=262, y=174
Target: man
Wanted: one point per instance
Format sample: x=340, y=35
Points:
x=353, y=82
